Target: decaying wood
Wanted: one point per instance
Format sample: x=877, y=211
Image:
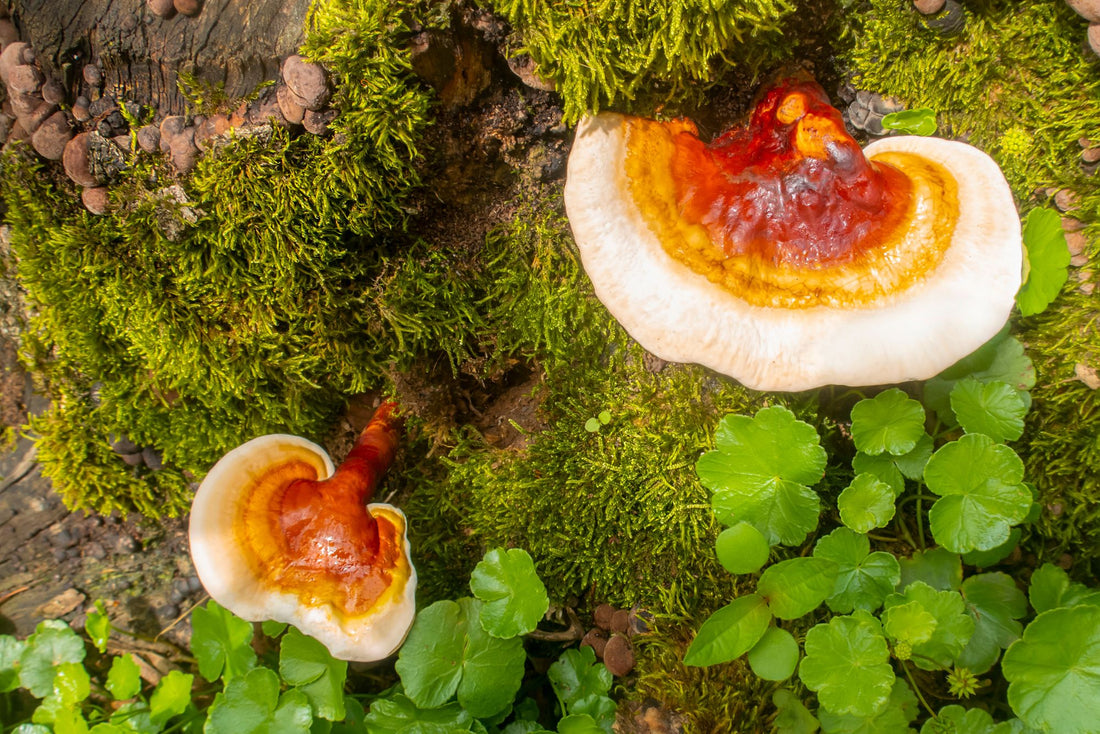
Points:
x=236, y=42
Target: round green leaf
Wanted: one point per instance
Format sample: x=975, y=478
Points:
x=912, y=464
x=891, y=422
x=430, y=661
x=893, y=719
x=797, y=586
x=1051, y=588
x=775, y=656
x=52, y=644
x=955, y=719
x=847, y=663
x=492, y=668
x=1001, y=358
x=124, y=678
x=953, y=626
x=306, y=663
x=742, y=549
x=576, y=676
x=221, y=642
x=994, y=603
x=1054, y=671
x=792, y=716
x=171, y=697
x=864, y=579
x=760, y=470
x=397, y=714
x=994, y=408
x=251, y=704
x=865, y=504
x=908, y=622
x=10, y=651
x=730, y=632
x=883, y=466
x=939, y=568
x=514, y=597
x=981, y=493
x=1048, y=259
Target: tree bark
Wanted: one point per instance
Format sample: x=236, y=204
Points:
x=238, y=43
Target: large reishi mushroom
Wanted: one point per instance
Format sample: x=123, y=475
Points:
x=277, y=533
x=782, y=255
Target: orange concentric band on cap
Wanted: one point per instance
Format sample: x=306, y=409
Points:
x=903, y=246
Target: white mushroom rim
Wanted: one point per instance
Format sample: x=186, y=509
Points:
x=681, y=316
x=226, y=563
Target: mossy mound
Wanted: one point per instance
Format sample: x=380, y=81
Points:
x=239, y=302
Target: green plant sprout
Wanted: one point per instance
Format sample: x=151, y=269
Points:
x=593, y=425
x=921, y=121
x=933, y=472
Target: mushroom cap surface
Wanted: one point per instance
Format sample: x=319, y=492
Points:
x=240, y=554
x=763, y=316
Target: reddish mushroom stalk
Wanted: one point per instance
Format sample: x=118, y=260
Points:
x=277, y=533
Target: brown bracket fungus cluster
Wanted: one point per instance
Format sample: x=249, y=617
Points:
x=782, y=255
x=277, y=534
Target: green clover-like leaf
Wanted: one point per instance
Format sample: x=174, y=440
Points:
x=1054, y=671
x=792, y=716
x=847, y=663
x=171, y=697
x=397, y=714
x=307, y=664
x=449, y=653
x=921, y=121
x=994, y=602
x=761, y=471
x=775, y=655
x=251, y=704
x=953, y=625
x=865, y=504
x=893, y=719
x=576, y=675
x=124, y=678
x=1001, y=358
x=981, y=490
x=864, y=579
x=514, y=597
x=730, y=632
x=1051, y=588
x=221, y=642
x=10, y=651
x=1047, y=261
x=939, y=568
x=71, y=685
x=742, y=548
x=52, y=644
x=994, y=408
x=891, y=423
x=883, y=467
x=797, y=586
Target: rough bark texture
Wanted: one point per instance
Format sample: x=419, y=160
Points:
x=236, y=42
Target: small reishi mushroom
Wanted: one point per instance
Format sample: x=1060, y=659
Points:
x=783, y=256
x=277, y=534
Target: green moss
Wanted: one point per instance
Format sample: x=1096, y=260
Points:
x=249, y=307
x=643, y=53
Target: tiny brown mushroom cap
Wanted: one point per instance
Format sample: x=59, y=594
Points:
x=277, y=533
x=783, y=256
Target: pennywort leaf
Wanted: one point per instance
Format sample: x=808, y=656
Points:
x=171, y=697
x=730, y=632
x=397, y=714
x=775, y=656
x=939, y=568
x=98, y=626
x=865, y=504
x=883, y=467
x=251, y=704
x=797, y=586
x=995, y=604
x=1055, y=668
x=1001, y=358
x=981, y=490
x=742, y=548
x=52, y=644
x=514, y=597
x=576, y=675
x=921, y=121
x=847, y=663
x=124, y=678
x=900, y=710
x=760, y=472
x=1047, y=261
x=10, y=651
x=792, y=716
x=307, y=664
x=891, y=423
x=952, y=629
x=221, y=642
x=1051, y=588
x=864, y=579
x=994, y=408
x=492, y=668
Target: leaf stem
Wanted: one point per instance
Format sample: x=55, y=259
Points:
x=920, y=520
x=917, y=689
